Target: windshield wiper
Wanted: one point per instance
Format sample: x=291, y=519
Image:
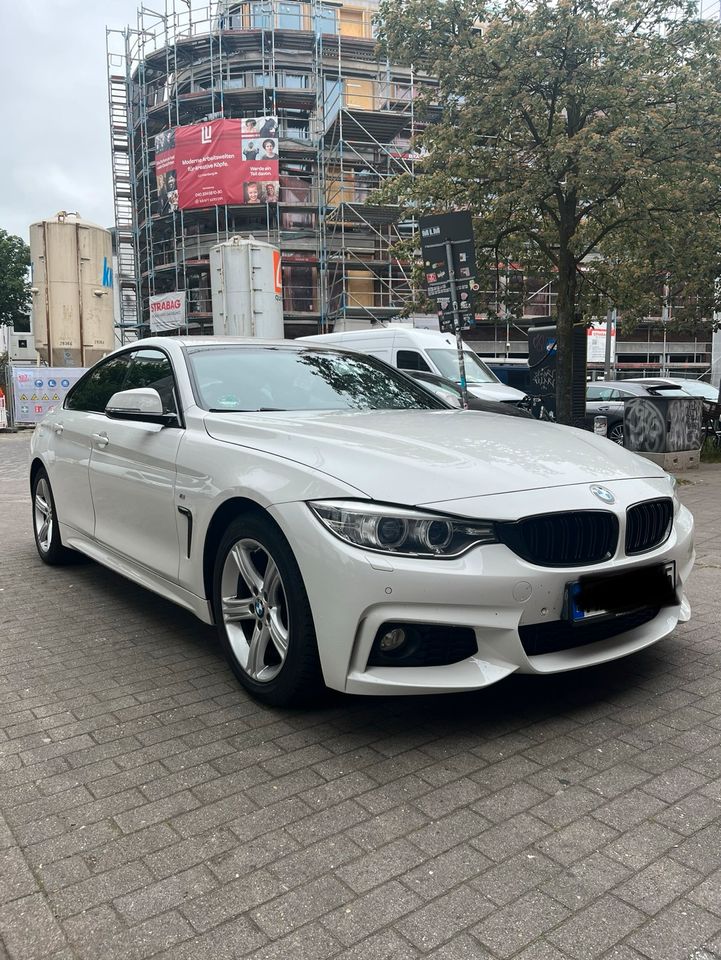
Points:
x=241, y=410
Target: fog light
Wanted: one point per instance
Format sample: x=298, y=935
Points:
x=392, y=640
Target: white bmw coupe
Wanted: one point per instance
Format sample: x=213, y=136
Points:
x=339, y=524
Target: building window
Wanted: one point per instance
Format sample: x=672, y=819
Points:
x=297, y=220
x=300, y=287
x=295, y=81
x=261, y=17
x=290, y=16
x=326, y=20
x=296, y=129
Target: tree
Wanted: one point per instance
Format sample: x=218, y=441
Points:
x=582, y=134
x=14, y=283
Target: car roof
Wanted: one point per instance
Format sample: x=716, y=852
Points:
x=421, y=338
x=617, y=384
x=213, y=341
x=650, y=381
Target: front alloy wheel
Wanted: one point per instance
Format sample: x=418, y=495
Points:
x=255, y=610
x=262, y=613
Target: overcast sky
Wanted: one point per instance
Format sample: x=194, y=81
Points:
x=54, y=143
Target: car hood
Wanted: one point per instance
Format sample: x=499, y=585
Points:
x=416, y=457
x=495, y=391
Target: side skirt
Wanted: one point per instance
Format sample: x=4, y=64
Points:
x=136, y=572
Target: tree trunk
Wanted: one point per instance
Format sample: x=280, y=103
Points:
x=566, y=311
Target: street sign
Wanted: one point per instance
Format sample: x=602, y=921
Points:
x=449, y=264
x=596, y=343
x=436, y=231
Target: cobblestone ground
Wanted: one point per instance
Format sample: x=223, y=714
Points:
x=149, y=808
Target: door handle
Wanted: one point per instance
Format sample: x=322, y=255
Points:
x=58, y=428
x=101, y=439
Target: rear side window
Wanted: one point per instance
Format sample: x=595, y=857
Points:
x=599, y=393
x=411, y=360
x=97, y=387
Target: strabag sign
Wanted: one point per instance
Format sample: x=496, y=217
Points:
x=167, y=311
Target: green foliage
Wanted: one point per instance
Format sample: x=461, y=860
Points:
x=710, y=453
x=14, y=283
x=584, y=135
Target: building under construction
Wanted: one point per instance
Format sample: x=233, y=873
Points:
x=305, y=79
x=320, y=123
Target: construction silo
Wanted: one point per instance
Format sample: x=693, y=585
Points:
x=72, y=290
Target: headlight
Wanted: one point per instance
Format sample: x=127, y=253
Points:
x=674, y=493
x=412, y=533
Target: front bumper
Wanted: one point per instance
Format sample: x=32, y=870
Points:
x=490, y=589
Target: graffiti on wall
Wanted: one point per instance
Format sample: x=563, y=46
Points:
x=684, y=424
x=662, y=424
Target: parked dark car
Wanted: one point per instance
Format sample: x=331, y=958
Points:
x=696, y=388
x=450, y=392
x=605, y=398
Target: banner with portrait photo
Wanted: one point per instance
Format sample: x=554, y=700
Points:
x=217, y=163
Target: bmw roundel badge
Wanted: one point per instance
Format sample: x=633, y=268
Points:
x=602, y=493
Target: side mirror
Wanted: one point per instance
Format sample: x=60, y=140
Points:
x=142, y=404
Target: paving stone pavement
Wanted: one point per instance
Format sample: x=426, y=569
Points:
x=149, y=808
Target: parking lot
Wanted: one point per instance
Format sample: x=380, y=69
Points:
x=149, y=808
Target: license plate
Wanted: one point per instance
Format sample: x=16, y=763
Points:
x=609, y=594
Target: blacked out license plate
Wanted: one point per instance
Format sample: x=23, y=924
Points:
x=608, y=594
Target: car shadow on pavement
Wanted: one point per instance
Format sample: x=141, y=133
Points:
x=518, y=701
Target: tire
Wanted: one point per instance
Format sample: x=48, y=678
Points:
x=45, y=524
x=263, y=617
x=616, y=433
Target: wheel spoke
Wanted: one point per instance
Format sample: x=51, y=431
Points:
x=257, y=648
x=235, y=610
x=271, y=578
x=43, y=516
x=278, y=633
x=246, y=568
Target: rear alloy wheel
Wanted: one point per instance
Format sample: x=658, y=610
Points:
x=45, y=523
x=616, y=433
x=263, y=615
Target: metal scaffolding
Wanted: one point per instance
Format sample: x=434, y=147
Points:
x=346, y=123
x=121, y=135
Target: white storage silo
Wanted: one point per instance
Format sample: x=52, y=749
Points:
x=245, y=282
x=72, y=290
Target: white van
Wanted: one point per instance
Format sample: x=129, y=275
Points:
x=430, y=350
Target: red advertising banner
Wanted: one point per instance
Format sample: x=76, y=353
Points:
x=216, y=163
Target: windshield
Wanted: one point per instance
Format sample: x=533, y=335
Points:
x=698, y=388
x=476, y=371
x=264, y=378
